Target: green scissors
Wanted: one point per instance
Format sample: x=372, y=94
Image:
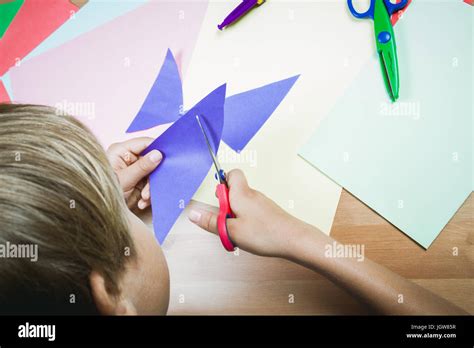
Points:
x=380, y=11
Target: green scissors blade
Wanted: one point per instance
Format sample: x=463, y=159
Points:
x=387, y=49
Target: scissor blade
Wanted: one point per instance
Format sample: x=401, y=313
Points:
x=387, y=69
x=211, y=152
x=386, y=48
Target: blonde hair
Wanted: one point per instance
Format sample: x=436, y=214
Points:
x=57, y=191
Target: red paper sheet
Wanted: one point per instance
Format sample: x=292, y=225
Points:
x=34, y=22
x=4, y=98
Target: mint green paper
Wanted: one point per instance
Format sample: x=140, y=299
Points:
x=472, y=97
x=410, y=161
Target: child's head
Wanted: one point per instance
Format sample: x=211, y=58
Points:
x=68, y=243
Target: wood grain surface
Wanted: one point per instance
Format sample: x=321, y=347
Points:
x=205, y=279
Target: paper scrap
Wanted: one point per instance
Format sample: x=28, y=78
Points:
x=165, y=99
x=245, y=113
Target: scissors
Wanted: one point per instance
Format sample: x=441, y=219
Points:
x=380, y=11
x=222, y=193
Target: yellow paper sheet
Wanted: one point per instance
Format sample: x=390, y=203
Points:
x=280, y=39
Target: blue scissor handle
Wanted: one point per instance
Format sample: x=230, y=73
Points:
x=367, y=14
x=392, y=8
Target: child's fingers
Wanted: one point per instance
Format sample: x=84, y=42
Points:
x=143, y=204
x=137, y=145
x=237, y=180
x=204, y=219
x=145, y=197
x=146, y=192
x=132, y=197
x=119, y=157
x=127, y=151
x=133, y=174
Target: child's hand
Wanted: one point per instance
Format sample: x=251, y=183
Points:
x=260, y=227
x=133, y=170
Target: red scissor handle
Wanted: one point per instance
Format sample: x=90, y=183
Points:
x=225, y=212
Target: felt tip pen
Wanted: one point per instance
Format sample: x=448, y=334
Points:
x=244, y=7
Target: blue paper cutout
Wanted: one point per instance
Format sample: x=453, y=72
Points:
x=165, y=99
x=245, y=113
x=186, y=162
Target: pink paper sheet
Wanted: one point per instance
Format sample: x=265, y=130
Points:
x=34, y=22
x=103, y=76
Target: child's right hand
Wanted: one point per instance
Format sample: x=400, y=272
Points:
x=263, y=228
x=260, y=227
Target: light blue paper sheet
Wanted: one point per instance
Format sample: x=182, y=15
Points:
x=409, y=161
x=8, y=84
x=92, y=15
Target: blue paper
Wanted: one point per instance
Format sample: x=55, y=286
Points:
x=186, y=160
x=165, y=99
x=410, y=161
x=245, y=113
x=186, y=156
x=91, y=16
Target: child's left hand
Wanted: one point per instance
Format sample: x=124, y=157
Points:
x=133, y=170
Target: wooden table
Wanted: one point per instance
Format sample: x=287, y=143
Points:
x=207, y=280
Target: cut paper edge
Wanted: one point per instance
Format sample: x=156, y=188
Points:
x=164, y=100
x=248, y=111
x=186, y=160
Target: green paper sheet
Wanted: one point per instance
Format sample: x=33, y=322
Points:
x=8, y=11
x=410, y=161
